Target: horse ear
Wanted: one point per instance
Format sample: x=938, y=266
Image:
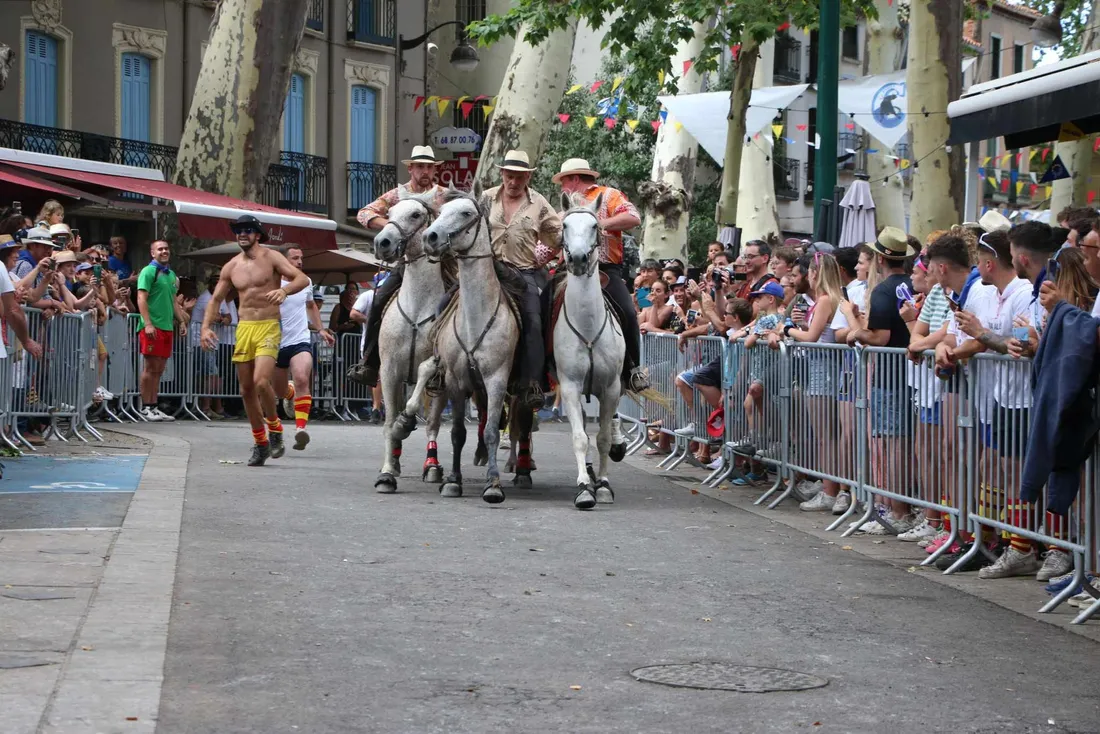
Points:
x=566, y=203
x=478, y=189
x=597, y=204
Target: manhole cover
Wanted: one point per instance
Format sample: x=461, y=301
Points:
x=728, y=677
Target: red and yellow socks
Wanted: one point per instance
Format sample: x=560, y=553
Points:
x=274, y=425
x=259, y=435
x=289, y=391
x=302, y=407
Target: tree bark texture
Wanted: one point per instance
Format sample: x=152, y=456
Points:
x=744, y=69
x=667, y=196
x=757, y=211
x=934, y=78
x=883, y=49
x=232, y=131
x=1077, y=154
x=529, y=97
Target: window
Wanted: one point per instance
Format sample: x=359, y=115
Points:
x=364, y=124
x=849, y=44
x=1017, y=58
x=476, y=120
x=294, y=116
x=995, y=57
x=372, y=21
x=40, y=88
x=135, y=97
x=315, y=15
x=466, y=12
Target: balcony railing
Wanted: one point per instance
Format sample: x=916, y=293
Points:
x=788, y=60
x=366, y=182
x=309, y=192
x=857, y=163
x=786, y=172
x=315, y=17
x=372, y=21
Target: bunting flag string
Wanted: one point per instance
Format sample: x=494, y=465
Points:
x=590, y=121
x=443, y=103
x=419, y=101
x=615, y=84
x=632, y=124
x=777, y=130
x=595, y=86
x=467, y=108
x=563, y=117
x=575, y=88
x=487, y=109
x=687, y=67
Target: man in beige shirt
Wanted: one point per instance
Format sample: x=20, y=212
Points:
x=526, y=235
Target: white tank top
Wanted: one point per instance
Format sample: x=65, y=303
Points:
x=292, y=314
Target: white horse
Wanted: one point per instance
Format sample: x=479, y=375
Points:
x=589, y=350
x=475, y=340
x=403, y=336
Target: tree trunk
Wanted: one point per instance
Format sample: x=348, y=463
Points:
x=744, y=69
x=882, y=57
x=232, y=131
x=667, y=196
x=934, y=78
x=530, y=94
x=757, y=213
x=1077, y=154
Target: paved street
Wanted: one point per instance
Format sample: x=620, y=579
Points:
x=305, y=602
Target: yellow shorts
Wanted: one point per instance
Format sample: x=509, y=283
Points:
x=257, y=339
x=101, y=348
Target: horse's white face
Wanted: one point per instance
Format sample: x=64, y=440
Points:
x=455, y=228
x=580, y=235
x=407, y=217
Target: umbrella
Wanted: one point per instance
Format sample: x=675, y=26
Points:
x=859, y=215
x=325, y=267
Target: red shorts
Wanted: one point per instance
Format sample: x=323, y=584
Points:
x=158, y=345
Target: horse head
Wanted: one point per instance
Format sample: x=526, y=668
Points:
x=411, y=214
x=457, y=225
x=580, y=236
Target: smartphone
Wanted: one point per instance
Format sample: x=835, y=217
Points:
x=716, y=277
x=1052, y=269
x=742, y=277
x=17, y=206
x=97, y=272
x=642, y=295
x=844, y=293
x=692, y=314
x=76, y=232
x=695, y=274
x=953, y=305
x=904, y=295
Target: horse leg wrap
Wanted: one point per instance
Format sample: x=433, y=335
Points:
x=523, y=457
x=433, y=455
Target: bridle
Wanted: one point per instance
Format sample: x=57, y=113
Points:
x=593, y=263
x=406, y=236
x=593, y=254
x=462, y=230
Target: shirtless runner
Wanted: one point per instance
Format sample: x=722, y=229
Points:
x=256, y=274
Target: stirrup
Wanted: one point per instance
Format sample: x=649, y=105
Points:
x=532, y=396
x=638, y=381
x=434, y=386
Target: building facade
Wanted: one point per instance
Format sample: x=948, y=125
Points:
x=112, y=80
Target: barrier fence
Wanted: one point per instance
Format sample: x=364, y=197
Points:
x=889, y=431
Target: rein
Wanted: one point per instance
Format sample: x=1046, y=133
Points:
x=406, y=236
x=471, y=363
x=593, y=264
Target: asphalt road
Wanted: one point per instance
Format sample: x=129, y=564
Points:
x=305, y=602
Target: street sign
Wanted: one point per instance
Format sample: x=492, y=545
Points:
x=459, y=171
x=457, y=139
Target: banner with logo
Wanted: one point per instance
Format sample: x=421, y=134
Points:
x=878, y=104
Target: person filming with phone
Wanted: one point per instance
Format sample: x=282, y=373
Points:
x=755, y=257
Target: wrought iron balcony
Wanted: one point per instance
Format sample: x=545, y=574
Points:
x=366, y=182
x=856, y=163
x=309, y=190
x=786, y=172
x=788, y=60
x=315, y=17
x=372, y=21
x=88, y=146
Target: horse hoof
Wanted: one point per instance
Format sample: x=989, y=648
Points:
x=617, y=452
x=493, y=494
x=509, y=466
x=450, y=490
x=432, y=474
x=605, y=495
x=584, y=499
x=522, y=480
x=481, y=455
x=385, y=484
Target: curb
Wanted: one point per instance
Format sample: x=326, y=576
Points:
x=112, y=678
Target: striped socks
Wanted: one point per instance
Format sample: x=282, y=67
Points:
x=274, y=425
x=259, y=436
x=302, y=406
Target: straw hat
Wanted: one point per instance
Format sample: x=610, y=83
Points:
x=892, y=244
x=994, y=221
x=39, y=236
x=422, y=154
x=574, y=167
x=65, y=256
x=7, y=242
x=516, y=160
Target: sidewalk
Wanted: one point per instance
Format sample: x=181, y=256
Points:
x=86, y=609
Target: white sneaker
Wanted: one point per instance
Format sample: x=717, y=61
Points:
x=716, y=464
x=505, y=442
x=874, y=528
x=1056, y=563
x=1084, y=600
x=902, y=524
x=843, y=502
x=151, y=414
x=288, y=408
x=688, y=430
x=101, y=393
x=164, y=416
x=821, y=502
x=1011, y=563
x=923, y=531
x=617, y=438
x=810, y=488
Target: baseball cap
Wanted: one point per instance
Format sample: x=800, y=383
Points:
x=681, y=281
x=319, y=294
x=771, y=288
x=84, y=266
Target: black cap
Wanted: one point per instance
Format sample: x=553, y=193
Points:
x=247, y=220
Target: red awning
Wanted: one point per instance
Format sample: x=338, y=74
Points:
x=201, y=214
x=10, y=177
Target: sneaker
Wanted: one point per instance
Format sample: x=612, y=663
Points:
x=101, y=393
x=288, y=408
x=716, y=464
x=821, y=502
x=924, y=531
x=809, y=488
x=745, y=449
x=215, y=416
x=937, y=542
x=617, y=438
x=874, y=528
x=1058, y=585
x=260, y=454
x=688, y=430
x=164, y=416
x=1011, y=563
x=376, y=417
x=843, y=503
x=301, y=439
x=1056, y=563
x=278, y=448
x=1084, y=600
x=978, y=562
x=151, y=414
x=749, y=478
x=505, y=442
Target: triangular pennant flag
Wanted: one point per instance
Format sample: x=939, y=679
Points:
x=1019, y=158
x=1069, y=132
x=594, y=87
x=987, y=160
x=735, y=50
x=431, y=100
x=575, y=88
x=850, y=125
x=777, y=130
x=904, y=163
x=1095, y=145
x=1047, y=191
x=632, y=124
x=460, y=100
x=481, y=97
x=871, y=151
x=679, y=126
x=467, y=108
x=981, y=173
x=754, y=137
x=590, y=121
x=788, y=141
x=801, y=128
x=609, y=123
x=563, y=117
x=487, y=109
x=419, y=101
x=661, y=77
x=783, y=27
x=1091, y=197
x=1019, y=187
x=1033, y=190
x=687, y=66
x=996, y=173
x=1004, y=185
x=442, y=105
x=1034, y=177
x=655, y=124
x=1005, y=158
x=1046, y=152
x=1056, y=172
x=615, y=84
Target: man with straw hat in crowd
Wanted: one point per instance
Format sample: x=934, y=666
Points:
x=422, y=166
x=526, y=234
x=616, y=215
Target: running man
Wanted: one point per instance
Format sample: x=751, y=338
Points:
x=255, y=274
x=299, y=315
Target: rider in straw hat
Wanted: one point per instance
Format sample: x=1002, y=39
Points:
x=422, y=167
x=526, y=234
x=616, y=215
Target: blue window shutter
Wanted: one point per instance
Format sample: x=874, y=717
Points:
x=40, y=87
x=294, y=116
x=364, y=118
x=135, y=97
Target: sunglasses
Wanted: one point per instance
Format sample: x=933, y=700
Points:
x=247, y=230
x=986, y=245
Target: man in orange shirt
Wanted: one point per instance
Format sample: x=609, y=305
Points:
x=616, y=215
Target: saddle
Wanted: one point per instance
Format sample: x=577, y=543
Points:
x=557, y=286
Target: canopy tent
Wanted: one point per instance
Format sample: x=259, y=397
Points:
x=325, y=267
x=201, y=214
